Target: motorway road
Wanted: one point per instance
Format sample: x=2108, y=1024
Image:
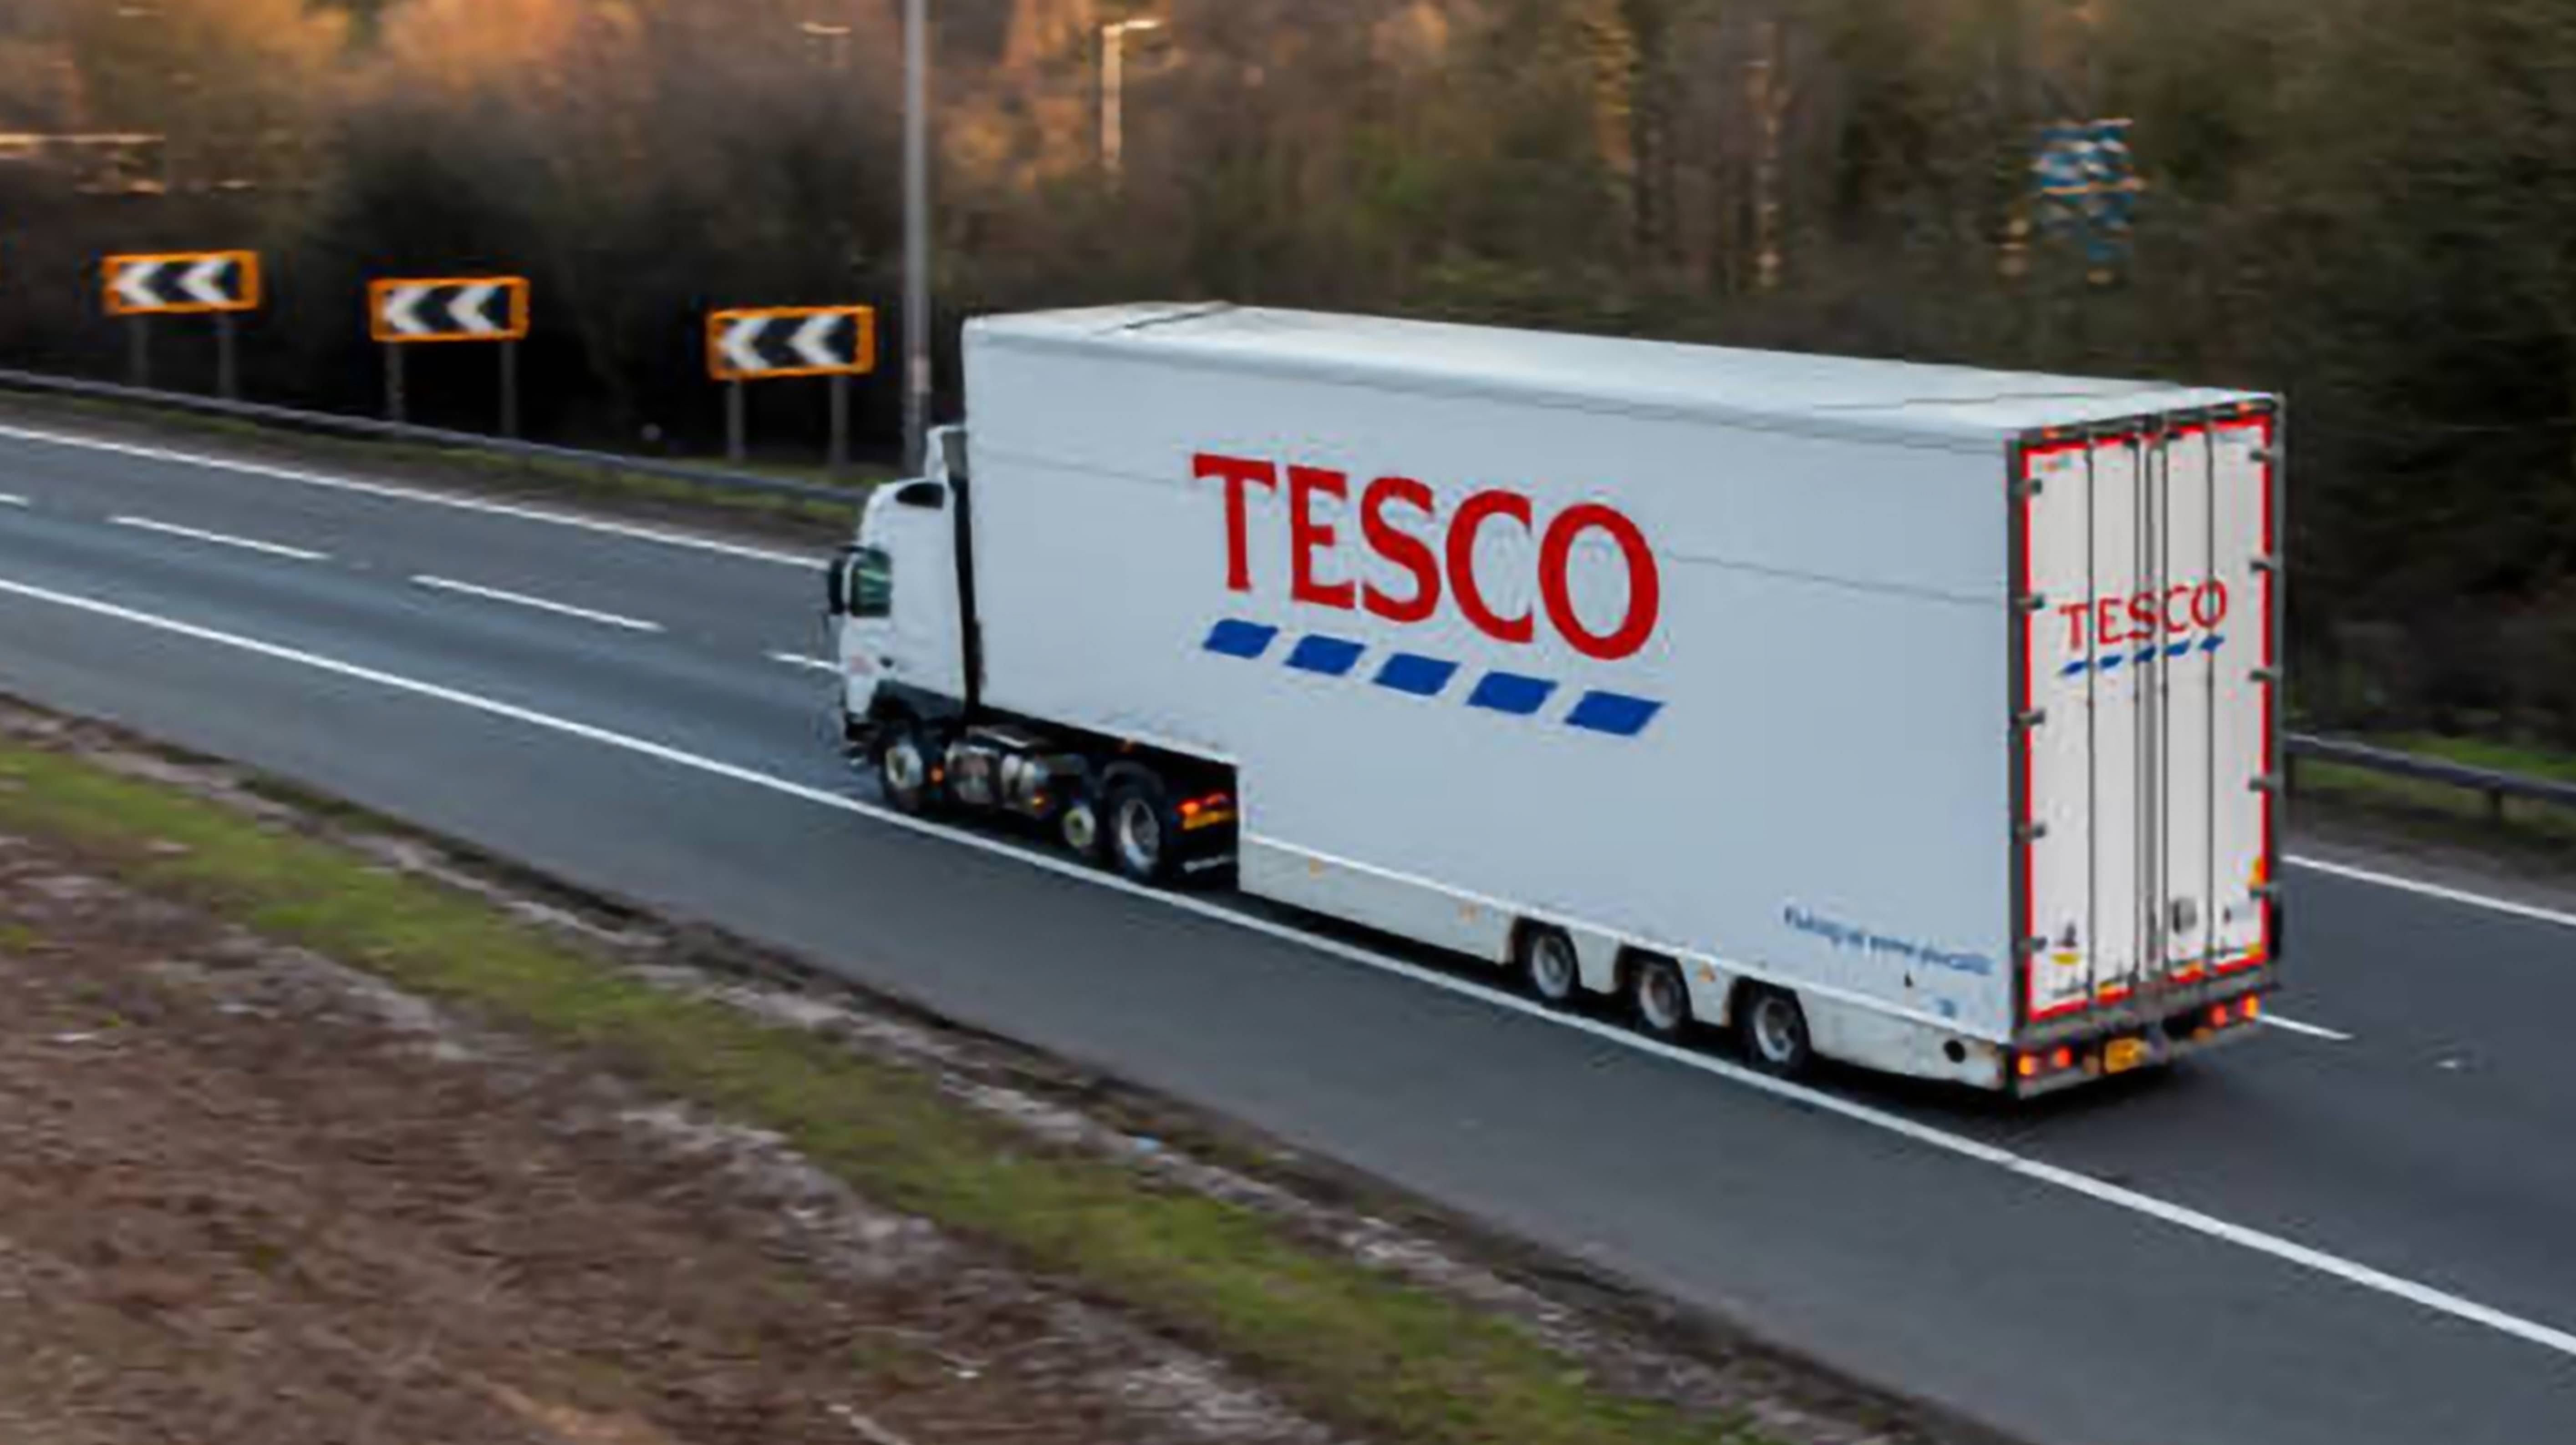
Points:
x=2356, y=1234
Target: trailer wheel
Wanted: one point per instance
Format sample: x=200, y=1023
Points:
x=1548, y=965
x=1774, y=1030
x=1144, y=833
x=904, y=769
x=1659, y=998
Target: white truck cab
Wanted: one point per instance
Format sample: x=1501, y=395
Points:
x=896, y=594
x=903, y=599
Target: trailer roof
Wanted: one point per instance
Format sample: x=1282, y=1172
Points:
x=1788, y=390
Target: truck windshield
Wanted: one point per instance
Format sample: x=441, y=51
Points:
x=871, y=584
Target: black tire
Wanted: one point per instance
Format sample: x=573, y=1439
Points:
x=1549, y=967
x=1773, y=1030
x=1143, y=838
x=906, y=765
x=1082, y=827
x=1659, y=999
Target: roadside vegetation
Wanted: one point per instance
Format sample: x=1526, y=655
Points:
x=1341, y=1341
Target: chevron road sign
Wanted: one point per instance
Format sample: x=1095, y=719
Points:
x=474, y=308
x=182, y=283
x=781, y=341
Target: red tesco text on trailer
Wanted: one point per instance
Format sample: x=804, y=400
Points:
x=1391, y=508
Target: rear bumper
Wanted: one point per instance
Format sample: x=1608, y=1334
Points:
x=2136, y=1037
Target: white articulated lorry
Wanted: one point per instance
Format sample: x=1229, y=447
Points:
x=1920, y=718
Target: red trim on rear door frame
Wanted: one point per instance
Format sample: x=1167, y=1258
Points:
x=2027, y=918
x=2264, y=435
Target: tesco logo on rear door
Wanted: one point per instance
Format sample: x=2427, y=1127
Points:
x=1400, y=522
x=2145, y=616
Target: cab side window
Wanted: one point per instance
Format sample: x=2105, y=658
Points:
x=871, y=584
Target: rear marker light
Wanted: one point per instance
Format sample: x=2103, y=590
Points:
x=2027, y=1066
x=2062, y=1059
x=2219, y=1017
x=2253, y=1007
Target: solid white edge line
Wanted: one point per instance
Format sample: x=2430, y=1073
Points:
x=2526, y=911
x=413, y=494
x=2209, y=1226
x=811, y=664
x=6, y=500
x=2313, y=1031
x=196, y=534
x=540, y=604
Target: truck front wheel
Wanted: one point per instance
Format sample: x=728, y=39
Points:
x=906, y=770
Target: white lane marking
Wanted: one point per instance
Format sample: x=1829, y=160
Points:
x=169, y=529
x=521, y=599
x=786, y=559
x=2313, y=1031
x=2435, y=890
x=411, y=494
x=814, y=664
x=2209, y=1226
x=7, y=500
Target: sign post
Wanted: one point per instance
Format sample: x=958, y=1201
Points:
x=490, y=309
x=221, y=284
x=772, y=343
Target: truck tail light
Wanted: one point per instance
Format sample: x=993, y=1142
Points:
x=2045, y=1062
x=1206, y=812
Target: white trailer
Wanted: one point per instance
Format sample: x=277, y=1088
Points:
x=1916, y=717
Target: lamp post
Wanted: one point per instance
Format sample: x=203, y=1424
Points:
x=916, y=235
x=838, y=42
x=1113, y=90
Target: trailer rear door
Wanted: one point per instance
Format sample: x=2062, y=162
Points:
x=2147, y=732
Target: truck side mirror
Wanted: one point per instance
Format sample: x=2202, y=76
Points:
x=836, y=583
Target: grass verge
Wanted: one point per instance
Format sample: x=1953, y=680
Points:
x=582, y=482
x=1349, y=1344
x=2457, y=815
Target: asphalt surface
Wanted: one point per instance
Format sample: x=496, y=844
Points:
x=2346, y=1237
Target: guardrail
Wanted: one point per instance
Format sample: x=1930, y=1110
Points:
x=2497, y=786
x=369, y=427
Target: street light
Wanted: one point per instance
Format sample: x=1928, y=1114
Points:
x=837, y=35
x=916, y=236
x=1113, y=90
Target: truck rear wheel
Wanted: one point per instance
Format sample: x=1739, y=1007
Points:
x=1774, y=1030
x=1143, y=832
x=1082, y=827
x=1549, y=967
